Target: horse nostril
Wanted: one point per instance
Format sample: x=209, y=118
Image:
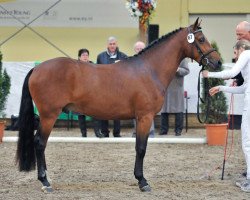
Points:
x=219, y=63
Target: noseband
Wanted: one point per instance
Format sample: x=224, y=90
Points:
x=202, y=55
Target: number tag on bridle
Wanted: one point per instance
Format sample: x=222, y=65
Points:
x=190, y=38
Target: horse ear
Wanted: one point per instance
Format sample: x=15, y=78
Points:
x=196, y=24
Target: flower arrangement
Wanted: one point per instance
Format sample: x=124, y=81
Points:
x=141, y=8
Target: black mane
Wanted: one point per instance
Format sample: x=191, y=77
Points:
x=156, y=42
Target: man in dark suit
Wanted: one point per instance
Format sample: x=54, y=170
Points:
x=111, y=55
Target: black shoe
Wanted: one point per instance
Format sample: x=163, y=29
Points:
x=163, y=133
x=133, y=135
x=178, y=133
x=244, y=174
x=99, y=134
x=84, y=134
x=105, y=134
x=117, y=135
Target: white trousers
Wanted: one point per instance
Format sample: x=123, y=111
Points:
x=245, y=131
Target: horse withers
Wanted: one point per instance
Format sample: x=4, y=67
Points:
x=137, y=85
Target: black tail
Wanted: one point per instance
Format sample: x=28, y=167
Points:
x=25, y=155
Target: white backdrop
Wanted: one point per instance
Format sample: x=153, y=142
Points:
x=17, y=72
x=191, y=83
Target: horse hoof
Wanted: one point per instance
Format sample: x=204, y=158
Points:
x=47, y=189
x=145, y=188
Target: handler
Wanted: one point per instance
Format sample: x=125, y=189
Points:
x=242, y=52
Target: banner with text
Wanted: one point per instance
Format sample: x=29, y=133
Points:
x=67, y=13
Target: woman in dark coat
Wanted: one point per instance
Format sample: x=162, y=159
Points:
x=174, y=101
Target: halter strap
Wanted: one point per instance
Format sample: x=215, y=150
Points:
x=203, y=55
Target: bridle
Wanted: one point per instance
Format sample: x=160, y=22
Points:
x=203, y=57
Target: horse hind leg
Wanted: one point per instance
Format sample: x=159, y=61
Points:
x=40, y=140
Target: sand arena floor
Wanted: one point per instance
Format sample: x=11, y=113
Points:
x=105, y=171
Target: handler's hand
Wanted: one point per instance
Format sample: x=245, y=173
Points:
x=214, y=90
x=205, y=73
x=234, y=83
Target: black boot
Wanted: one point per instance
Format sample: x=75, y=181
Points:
x=104, y=127
x=105, y=134
x=82, y=125
x=99, y=134
x=84, y=134
x=117, y=135
x=117, y=128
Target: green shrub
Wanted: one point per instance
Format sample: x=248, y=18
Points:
x=218, y=107
x=4, y=87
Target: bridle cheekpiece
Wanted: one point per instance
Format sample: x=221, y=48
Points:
x=191, y=40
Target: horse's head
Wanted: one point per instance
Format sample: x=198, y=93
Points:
x=200, y=49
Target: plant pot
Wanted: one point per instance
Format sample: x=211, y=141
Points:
x=2, y=126
x=216, y=134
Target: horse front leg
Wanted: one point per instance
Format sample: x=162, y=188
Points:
x=40, y=140
x=142, y=133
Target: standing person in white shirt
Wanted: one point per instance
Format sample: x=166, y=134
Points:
x=242, y=33
x=242, y=65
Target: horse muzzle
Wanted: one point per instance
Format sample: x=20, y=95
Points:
x=216, y=64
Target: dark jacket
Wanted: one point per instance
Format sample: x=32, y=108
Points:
x=174, y=97
x=239, y=79
x=104, y=57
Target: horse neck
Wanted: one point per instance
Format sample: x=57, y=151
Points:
x=165, y=58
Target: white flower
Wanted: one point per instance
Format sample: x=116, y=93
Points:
x=154, y=5
x=127, y=5
x=134, y=10
x=134, y=5
x=138, y=13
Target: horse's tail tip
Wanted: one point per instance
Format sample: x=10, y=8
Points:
x=26, y=168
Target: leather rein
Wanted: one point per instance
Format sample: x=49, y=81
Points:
x=204, y=61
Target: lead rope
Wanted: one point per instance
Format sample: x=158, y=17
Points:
x=205, y=101
x=232, y=142
x=225, y=158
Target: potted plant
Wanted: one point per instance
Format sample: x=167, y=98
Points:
x=216, y=124
x=5, y=90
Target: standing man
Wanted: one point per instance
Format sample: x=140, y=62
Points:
x=174, y=101
x=242, y=32
x=139, y=46
x=111, y=55
x=83, y=56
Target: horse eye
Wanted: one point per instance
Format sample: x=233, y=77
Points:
x=201, y=40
